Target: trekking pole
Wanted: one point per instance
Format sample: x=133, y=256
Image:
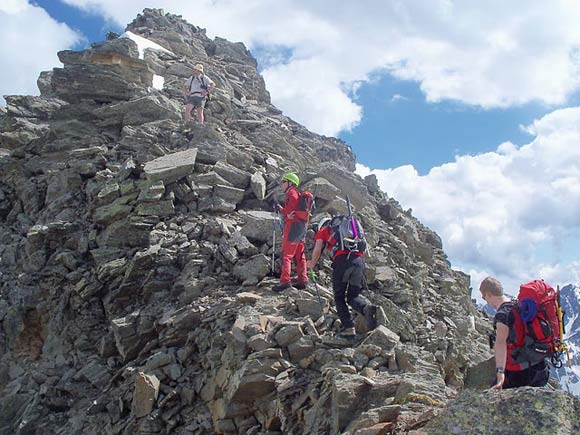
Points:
x=365, y=281
x=351, y=218
x=274, y=237
x=314, y=279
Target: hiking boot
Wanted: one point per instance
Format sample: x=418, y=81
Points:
x=348, y=332
x=281, y=287
x=371, y=317
x=300, y=285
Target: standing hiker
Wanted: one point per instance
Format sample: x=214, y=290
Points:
x=196, y=91
x=509, y=373
x=293, y=236
x=348, y=266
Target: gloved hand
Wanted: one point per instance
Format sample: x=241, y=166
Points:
x=312, y=275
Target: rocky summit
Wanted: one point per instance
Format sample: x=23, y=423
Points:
x=136, y=275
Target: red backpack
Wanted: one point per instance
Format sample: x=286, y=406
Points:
x=535, y=332
x=305, y=206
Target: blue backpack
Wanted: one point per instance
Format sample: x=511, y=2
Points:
x=348, y=233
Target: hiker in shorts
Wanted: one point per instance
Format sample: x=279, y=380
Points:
x=348, y=269
x=293, y=236
x=196, y=90
x=507, y=373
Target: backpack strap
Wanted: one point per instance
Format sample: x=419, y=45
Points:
x=191, y=82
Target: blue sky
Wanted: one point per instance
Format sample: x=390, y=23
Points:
x=468, y=113
x=399, y=127
x=92, y=26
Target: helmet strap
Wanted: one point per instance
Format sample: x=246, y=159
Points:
x=290, y=184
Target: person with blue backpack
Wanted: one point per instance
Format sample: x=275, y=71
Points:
x=520, y=356
x=344, y=238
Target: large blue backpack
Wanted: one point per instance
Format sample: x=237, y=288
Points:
x=348, y=233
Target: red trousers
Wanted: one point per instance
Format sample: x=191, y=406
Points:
x=293, y=250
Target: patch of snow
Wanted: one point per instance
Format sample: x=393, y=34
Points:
x=568, y=326
x=577, y=292
x=158, y=82
x=143, y=43
x=570, y=384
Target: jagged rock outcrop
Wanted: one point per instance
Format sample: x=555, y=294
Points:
x=135, y=262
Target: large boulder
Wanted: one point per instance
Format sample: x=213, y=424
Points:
x=382, y=337
x=171, y=167
x=258, y=184
x=237, y=177
x=258, y=226
x=107, y=72
x=253, y=270
x=255, y=379
x=525, y=410
x=229, y=194
x=125, y=233
x=145, y=394
x=103, y=77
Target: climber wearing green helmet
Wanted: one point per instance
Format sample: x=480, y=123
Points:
x=292, y=178
x=294, y=235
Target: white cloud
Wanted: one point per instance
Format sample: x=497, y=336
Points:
x=513, y=213
x=398, y=97
x=489, y=54
x=29, y=40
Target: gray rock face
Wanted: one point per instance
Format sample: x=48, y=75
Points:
x=136, y=262
x=525, y=410
x=131, y=333
x=148, y=108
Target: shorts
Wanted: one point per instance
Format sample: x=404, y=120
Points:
x=196, y=101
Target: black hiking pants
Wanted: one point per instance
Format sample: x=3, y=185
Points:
x=347, y=282
x=534, y=376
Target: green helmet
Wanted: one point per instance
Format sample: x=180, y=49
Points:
x=292, y=178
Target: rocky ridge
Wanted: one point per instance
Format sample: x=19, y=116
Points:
x=135, y=262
